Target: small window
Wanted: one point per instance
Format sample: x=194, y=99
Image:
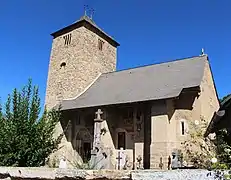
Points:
x=67, y=39
x=62, y=65
x=100, y=44
x=182, y=128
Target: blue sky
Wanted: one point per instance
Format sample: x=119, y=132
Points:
x=149, y=31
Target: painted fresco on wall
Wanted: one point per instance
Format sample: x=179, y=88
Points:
x=128, y=120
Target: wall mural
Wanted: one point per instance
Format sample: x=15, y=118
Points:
x=128, y=120
x=139, y=122
x=134, y=126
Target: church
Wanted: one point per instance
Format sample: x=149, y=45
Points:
x=144, y=112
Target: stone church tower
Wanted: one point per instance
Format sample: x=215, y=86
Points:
x=80, y=53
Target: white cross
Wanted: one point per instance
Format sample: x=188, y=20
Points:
x=98, y=113
x=119, y=158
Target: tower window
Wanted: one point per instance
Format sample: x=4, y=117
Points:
x=100, y=44
x=63, y=65
x=67, y=39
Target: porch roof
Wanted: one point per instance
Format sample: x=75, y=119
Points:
x=153, y=82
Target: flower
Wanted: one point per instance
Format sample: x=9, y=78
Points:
x=197, y=122
x=227, y=150
x=214, y=160
x=212, y=136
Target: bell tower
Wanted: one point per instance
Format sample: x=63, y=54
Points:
x=80, y=53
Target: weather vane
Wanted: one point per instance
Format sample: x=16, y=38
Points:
x=85, y=9
x=92, y=11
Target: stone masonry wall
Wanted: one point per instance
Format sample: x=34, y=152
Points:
x=166, y=128
x=9, y=173
x=159, y=139
x=208, y=98
x=203, y=107
x=84, y=62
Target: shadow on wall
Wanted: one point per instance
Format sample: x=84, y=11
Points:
x=78, y=124
x=78, y=130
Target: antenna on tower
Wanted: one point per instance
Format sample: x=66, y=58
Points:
x=85, y=9
x=92, y=11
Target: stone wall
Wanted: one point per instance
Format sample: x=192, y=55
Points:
x=159, y=135
x=203, y=107
x=167, y=117
x=65, y=174
x=83, y=63
x=208, y=98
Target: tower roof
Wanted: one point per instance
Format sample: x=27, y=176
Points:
x=89, y=24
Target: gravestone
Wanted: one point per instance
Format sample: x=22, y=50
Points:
x=100, y=157
x=176, y=161
x=121, y=159
x=63, y=163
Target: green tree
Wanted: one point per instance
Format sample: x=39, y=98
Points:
x=223, y=149
x=26, y=138
x=222, y=99
x=223, y=138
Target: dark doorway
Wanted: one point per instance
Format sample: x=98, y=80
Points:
x=86, y=151
x=121, y=140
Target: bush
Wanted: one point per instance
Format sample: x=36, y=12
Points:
x=198, y=151
x=223, y=148
x=25, y=138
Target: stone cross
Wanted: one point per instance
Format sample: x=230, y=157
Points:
x=97, y=129
x=98, y=115
x=121, y=159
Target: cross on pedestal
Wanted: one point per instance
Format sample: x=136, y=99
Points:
x=119, y=158
x=97, y=128
x=98, y=115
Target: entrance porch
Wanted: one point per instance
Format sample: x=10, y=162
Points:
x=125, y=129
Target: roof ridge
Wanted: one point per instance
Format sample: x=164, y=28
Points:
x=166, y=62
